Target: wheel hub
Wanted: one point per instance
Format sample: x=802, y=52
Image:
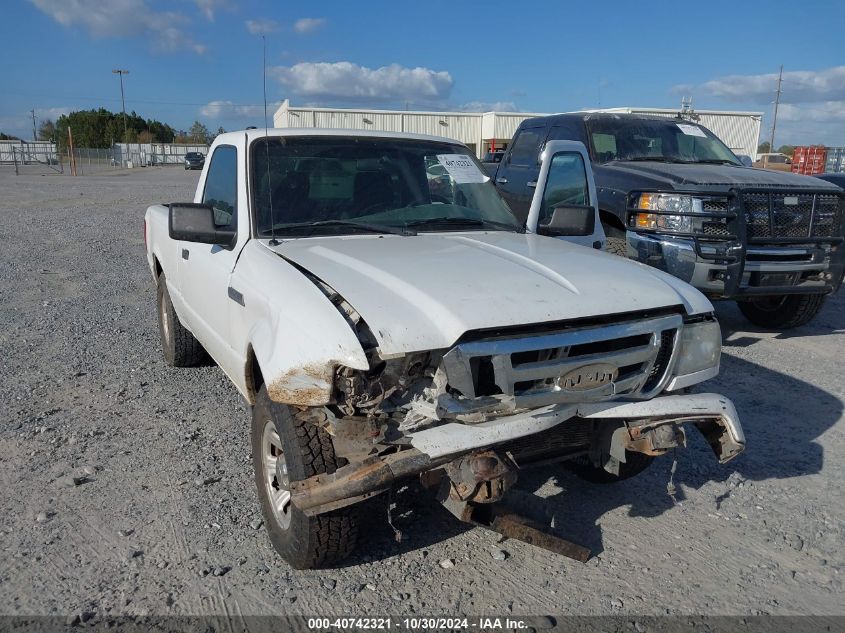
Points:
x=276, y=478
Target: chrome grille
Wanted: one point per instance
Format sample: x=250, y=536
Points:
x=531, y=369
x=791, y=214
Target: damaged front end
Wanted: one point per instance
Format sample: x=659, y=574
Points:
x=557, y=394
x=468, y=418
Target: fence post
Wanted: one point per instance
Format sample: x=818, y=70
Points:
x=15, y=160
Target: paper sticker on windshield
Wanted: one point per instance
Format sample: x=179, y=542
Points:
x=691, y=130
x=461, y=168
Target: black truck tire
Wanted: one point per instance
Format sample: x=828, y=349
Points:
x=615, y=242
x=180, y=347
x=634, y=464
x=782, y=312
x=283, y=450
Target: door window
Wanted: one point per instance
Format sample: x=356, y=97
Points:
x=526, y=147
x=221, y=187
x=566, y=185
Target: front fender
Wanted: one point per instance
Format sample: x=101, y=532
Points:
x=297, y=335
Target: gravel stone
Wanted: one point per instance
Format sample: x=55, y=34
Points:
x=98, y=335
x=499, y=554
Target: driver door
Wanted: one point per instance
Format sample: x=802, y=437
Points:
x=564, y=202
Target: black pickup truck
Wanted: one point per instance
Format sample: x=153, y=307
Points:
x=673, y=196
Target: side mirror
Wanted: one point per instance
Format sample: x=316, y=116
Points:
x=569, y=220
x=190, y=222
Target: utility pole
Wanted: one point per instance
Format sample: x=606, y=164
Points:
x=34, y=135
x=121, y=72
x=775, y=117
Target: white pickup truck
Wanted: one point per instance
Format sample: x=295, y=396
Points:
x=387, y=317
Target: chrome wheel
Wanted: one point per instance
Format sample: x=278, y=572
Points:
x=276, y=478
x=165, y=320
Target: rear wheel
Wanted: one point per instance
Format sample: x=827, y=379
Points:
x=634, y=464
x=179, y=346
x=285, y=449
x=782, y=312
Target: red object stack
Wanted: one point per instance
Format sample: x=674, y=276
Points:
x=809, y=159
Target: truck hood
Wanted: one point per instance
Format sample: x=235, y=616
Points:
x=687, y=177
x=423, y=292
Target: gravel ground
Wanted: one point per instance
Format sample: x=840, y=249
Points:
x=127, y=484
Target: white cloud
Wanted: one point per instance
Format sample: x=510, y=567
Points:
x=208, y=7
x=824, y=111
x=308, y=25
x=488, y=106
x=219, y=110
x=123, y=18
x=799, y=86
x=261, y=26
x=345, y=81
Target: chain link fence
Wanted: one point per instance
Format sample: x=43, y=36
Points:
x=42, y=157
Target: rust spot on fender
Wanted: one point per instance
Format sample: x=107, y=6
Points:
x=307, y=386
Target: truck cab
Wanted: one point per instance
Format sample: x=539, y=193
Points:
x=673, y=196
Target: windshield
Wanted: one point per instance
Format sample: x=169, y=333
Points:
x=337, y=185
x=667, y=140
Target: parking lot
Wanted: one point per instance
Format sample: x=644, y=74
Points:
x=128, y=485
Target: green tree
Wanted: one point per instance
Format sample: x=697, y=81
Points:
x=220, y=131
x=47, y=130
x=8, y=137
x=199, y=133
x=102, y=128
x=789, y=150
x=764, y=148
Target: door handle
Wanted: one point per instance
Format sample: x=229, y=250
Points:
x=185, y=253
x=531, y=183
x=502, y=181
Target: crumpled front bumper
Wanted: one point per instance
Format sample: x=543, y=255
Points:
x=731, y=270
x=714, y=415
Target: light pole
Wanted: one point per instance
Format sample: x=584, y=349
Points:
x=775, y=115
x=121, y=72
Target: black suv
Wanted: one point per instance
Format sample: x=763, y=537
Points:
x=673, y=196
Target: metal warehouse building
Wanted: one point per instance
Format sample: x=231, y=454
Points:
x=481, y=131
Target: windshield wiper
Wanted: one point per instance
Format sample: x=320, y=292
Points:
x=655, y=159
x=312, y=227
x=717, y=161
x=452, y=221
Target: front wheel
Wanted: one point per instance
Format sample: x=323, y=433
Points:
x=285, y=449
x=782, y=312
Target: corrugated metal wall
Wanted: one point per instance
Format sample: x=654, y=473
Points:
x=738, y=130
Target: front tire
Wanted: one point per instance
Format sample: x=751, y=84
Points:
x=285, y=449
x=615, y=241
x=782, y=312
x=179, y=346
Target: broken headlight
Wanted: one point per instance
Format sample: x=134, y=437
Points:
x=672, y=210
